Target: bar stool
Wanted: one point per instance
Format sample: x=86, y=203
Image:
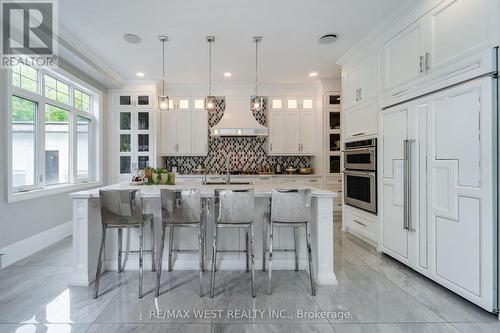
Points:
x=234, y=209
x=180, y=208
x=122, y=209
x=291, y=208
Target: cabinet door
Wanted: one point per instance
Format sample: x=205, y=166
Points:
x=361, y=120
x=402, y=57
x=456, y=28
x=200, y=132
x=143, y=100
x=168, y=132
x=395, y=239
x=307, y=132
x=292, y=132
x=369, y=84
x=277, y=132
x=351, y=82
x=184, y=132
x=461, y=190
x=124, y=100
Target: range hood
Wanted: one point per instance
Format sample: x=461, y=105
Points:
x=238, y=120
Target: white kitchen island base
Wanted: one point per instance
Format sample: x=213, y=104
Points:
x=87, y=230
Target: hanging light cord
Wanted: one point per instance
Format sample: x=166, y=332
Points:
x=209, y=68
x=163, y=67
x=256, y=64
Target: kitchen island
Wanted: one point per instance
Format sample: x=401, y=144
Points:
x=87, y=235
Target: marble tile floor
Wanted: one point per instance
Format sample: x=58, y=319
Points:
x=375, y=294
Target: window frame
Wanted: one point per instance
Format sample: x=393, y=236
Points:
x=39, y=189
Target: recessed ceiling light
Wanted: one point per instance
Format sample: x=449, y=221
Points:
x=313, y=74
x=227, y=74
x=132, y=39
x=140, y=74
x=328, y=39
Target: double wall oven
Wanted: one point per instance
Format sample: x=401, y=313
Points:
x=360, y=174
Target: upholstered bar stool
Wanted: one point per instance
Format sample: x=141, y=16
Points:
x=180, y=208
x=291, y=208
x=234, y=209
x=122, y=209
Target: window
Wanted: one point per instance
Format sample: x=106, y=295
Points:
x=56, y=90
x=25, y=77
x=82, y=147
x=23, y=141
x=52, y=126
x=56, y=145
x=81, y=101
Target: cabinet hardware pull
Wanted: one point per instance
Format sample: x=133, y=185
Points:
x=421, y=64
x=357, y=134
x=405, y=184
x=270, y=147
x=363, y=224
x=400, y=92
x=360, y=94
x=427, y=61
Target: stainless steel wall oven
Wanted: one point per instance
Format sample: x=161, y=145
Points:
x=360, y=174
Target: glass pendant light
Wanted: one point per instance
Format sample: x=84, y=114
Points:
x=210, y=100
x=257, y=103
x=163, y=100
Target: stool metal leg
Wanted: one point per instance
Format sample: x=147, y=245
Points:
x=170, y=246
x=271, y=227
x=214, y=259
x=153, y=263
x=99, y=262
x=296, y=247
x=120, y=237
x=160, y=260
x=200, y=244
x=264, y=245
x=247, y=250
x=252, y=254
x=309, y=254
x=141, y=243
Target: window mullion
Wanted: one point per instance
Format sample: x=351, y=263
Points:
x=41, y=143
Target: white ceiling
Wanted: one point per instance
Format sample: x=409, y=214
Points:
x=288, y=52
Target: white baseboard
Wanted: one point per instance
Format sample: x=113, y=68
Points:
x=22, y=249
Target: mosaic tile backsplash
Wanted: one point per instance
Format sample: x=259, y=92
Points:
x=246, y=154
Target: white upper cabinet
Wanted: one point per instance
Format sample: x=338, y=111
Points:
x=360, y=83
x=402, y=57
x=133, y=100
x=200, y=132
x=277, y=132
x=184, y=128
x=291, y=126
x=451, y=43
x=455, y=29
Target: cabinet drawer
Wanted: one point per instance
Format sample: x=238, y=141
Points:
x=361, y=121
x=361, y=226
x=334, y=187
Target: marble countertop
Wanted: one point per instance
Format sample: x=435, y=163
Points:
x=153, y=191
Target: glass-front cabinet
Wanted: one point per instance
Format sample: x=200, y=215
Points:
x=333, y=127
x=133, y=100
x=135, y=126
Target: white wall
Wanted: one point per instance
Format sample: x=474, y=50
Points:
x=23, y=219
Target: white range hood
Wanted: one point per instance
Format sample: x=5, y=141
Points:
x=238, y=120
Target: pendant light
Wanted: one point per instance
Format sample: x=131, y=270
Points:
x=163, y=100
x=210, y=100
x=257, y=102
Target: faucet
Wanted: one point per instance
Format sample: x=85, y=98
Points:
x=204, y=181
x=228, y=171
